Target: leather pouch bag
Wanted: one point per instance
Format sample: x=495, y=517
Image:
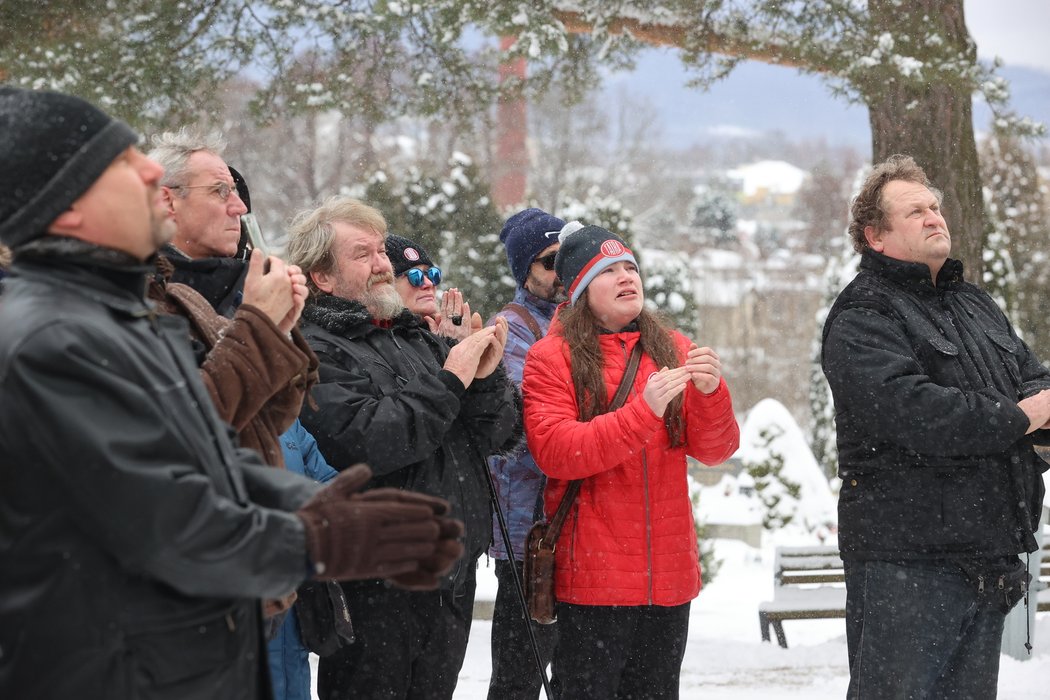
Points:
x=324, y=617
x=539, y=574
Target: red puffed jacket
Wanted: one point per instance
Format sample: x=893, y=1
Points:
x=629, y=538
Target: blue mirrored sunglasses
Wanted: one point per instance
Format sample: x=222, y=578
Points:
x=415, y=276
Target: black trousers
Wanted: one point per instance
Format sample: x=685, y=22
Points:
x=514, y=674
x=627, y=653
x=408, y=645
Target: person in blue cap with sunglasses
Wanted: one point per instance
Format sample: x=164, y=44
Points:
x=416, y=279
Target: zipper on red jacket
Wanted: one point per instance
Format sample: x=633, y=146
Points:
x=645, y=492
x=648, y=524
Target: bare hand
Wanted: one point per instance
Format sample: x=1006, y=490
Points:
x=663, y=386
x=1037, y=408
x=271, y=290
x=452, y=307
x=464, y=357
x=299, y=294
x=494, y=352
x=705, y=369
x=275, y=606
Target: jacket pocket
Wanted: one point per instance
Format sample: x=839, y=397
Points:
x=1007, y=348
x=943, y=346
x=940, y=359
x=175, y=655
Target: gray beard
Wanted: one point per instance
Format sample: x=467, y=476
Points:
x=384, y=304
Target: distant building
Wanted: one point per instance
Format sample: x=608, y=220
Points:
x=774, y=182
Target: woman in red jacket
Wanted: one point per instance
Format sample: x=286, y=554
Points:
x=627, y=559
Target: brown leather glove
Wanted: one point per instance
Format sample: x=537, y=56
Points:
x=360, y=536
x=433, y=568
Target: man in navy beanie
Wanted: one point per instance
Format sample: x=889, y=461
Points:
x=531, y=240
x=135, y=538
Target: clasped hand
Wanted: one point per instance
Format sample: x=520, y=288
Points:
x=702, y=367
x=275, y=288
x=478, y=355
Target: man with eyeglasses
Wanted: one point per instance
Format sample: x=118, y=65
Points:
x=424, y=413
x=531, y=240
x=243, y=318
x=206, y=201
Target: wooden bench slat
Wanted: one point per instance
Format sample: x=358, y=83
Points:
x=799, y=578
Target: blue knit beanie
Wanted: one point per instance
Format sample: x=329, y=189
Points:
x=526, y=235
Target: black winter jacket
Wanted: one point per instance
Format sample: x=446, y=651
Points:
x=219, y=280
x=384, y=399
x=135, y=539
x=933, y=455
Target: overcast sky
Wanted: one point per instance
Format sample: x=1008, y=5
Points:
x=1018, y=31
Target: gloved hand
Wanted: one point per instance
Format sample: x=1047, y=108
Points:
x=433, y=568
x=379, y=534
x=448, y=551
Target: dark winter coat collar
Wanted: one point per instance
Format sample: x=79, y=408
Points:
x=349, y=318
x=912, y=275
x=219, y=280
x=89, y=266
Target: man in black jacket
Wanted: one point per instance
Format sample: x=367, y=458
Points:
x=938, y=404
x=135, y=539
x=424, y=414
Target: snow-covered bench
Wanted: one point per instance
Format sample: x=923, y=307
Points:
x=808, y=584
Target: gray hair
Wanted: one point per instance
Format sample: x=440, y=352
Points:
x=310, y=234
x=173, y=149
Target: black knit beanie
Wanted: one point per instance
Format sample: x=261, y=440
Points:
x=53, y=147
x=584, y=253
x=525, y=235
x=404, y=253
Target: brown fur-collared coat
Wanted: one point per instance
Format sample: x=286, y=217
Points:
x=256, y=375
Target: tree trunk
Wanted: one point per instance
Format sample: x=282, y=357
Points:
x=932, y=122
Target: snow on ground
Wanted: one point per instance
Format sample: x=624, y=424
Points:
x=726, y=660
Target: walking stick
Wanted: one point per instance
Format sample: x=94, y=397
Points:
x=517, y=582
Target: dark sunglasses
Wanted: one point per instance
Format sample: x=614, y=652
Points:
x=415, y=276
x=547, y=260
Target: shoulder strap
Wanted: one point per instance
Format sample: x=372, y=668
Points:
x=523, y=313
x=554, y=530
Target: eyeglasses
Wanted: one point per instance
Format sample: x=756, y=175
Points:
x=547, y=260
x=415, y=276
x=220, y=189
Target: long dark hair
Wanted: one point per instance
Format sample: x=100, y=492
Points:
x=580, y=328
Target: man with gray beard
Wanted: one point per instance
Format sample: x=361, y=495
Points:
x=424, y=415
